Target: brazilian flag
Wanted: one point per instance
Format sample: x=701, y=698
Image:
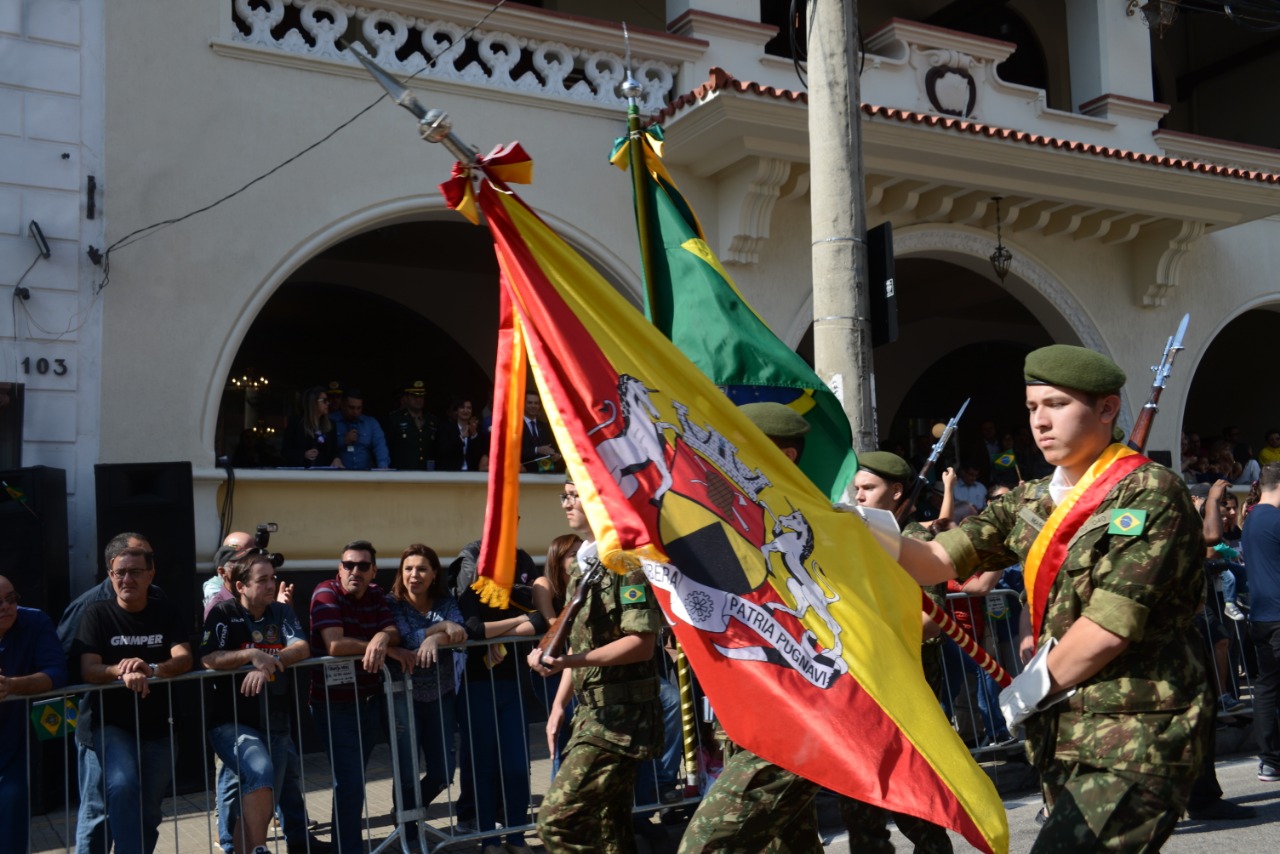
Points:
x=695, y=303
x=1005, y=460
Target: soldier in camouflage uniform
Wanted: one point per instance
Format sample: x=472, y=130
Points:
x=1119, y=735
x=881, y=483
x=618, y=721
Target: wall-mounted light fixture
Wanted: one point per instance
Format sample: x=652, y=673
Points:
x=38, y=236
x=1001, y=257
x=1158, y=15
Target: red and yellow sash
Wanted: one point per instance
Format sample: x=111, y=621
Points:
x=1040, y=569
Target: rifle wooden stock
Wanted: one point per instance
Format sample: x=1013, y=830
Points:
x=1142, y=427
x=553, y=643
x=908, y=503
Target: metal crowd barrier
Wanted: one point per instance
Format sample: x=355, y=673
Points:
x=1229, y=650
x=435, y=820
x=969, y=696
x=189, y=809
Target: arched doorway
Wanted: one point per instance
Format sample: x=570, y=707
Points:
x=389, y=306
x=1229, y=387
x=961, y=336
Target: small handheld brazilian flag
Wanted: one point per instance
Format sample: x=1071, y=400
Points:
x=54, y=718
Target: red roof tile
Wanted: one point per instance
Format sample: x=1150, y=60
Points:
x=721, y=80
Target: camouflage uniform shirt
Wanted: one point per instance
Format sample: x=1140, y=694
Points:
x=618, y=706
x=1144, y=710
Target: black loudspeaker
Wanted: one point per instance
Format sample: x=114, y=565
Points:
x=33, y=536
x=155, y=500
x=880, y=285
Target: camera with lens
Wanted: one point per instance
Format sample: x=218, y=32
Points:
x=261, y=539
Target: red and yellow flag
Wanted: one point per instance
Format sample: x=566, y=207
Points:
x=804, y=634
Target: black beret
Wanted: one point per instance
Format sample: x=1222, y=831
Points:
x=776, y=420
x=1073, y=367
x=886, y=465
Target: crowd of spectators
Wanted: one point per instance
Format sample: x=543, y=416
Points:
x=332, y=429
x=126, y=630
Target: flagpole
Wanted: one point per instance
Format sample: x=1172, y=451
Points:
x=632, y=89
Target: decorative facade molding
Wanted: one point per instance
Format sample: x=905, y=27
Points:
x=747, y=200
x=437, y=50
x=1157, y=288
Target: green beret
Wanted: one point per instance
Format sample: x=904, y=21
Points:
x=776, y=420
x=886, y=465
x=1073, y=367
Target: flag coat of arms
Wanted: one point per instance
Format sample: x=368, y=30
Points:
x=803, y=633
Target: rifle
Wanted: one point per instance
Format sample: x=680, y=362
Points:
x=931, y=610
x=1142, y=429
x=553, y=643
x=908, y=503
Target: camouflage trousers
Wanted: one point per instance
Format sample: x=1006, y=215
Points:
x=1098, y=809
x=587, y=810
x=868, y=831
x=754, y=807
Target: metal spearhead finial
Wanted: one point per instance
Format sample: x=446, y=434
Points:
x=433, y=125
x=399, y=93
x=631, y=88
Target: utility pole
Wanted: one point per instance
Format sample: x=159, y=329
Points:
x=841, y=325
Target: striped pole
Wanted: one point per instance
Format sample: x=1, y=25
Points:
x=688, y=717
x=967, y=644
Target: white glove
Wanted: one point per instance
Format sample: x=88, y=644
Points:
x=881, y=523
x=1029, y=693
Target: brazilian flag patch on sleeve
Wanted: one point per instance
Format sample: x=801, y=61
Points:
x=1128, y=522
x=633, y=594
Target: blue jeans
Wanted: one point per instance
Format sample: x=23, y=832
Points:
x=93, y=836
x=250, y=761
x=347, y=732
x=494, y=729
x=434, y=724
x=290, y=804
x=134, y=789
x=654, y=776
x=956, y=664
x=15, y=817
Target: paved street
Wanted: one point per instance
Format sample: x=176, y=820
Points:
x=193, y=829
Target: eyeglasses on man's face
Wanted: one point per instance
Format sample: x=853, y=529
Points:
x=570, y=498
x=357, y=565
x=122, y=574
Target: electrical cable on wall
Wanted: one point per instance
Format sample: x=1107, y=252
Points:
x=146, y=231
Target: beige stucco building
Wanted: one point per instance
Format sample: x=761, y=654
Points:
x=1136, y=185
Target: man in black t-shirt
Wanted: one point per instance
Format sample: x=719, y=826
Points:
x=249, y=714
x=134, y=640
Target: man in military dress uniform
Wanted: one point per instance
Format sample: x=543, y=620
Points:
x=1115, y=700
x=618, y=721
x=411, y=433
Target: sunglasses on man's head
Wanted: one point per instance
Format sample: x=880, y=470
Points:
x=357, y=565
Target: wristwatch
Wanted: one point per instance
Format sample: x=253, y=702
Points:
x=155, y=669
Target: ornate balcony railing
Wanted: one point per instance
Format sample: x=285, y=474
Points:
x=448, y=48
